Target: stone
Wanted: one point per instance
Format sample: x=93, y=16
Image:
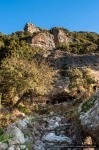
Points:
x=53, y=123
x=58, y=119
x=15, y=132
x=13, y=147
x=42, y=40
x=22, y=124
x=90, y=119
x=3, y=146
x=51, y=137
x=30, y=27
x=39, y=145
x=59, y=36
x=13, y=142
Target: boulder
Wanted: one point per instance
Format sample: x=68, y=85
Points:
x=89, y=116
x=42, y=40
x=39, y=145
x=22, y=124
x=29, y=27
x=15, y=133
x=51, y=137
x=60, y=36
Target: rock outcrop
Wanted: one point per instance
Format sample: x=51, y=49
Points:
x=90, y=118
x=47, y=40
x=42, y=40
x=59, y=36
x=29, y=27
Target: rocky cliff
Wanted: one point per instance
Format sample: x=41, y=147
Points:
x=29, y=27
x=75, y=42
x=65, y=49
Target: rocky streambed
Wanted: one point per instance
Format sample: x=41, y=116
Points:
x=45, y=131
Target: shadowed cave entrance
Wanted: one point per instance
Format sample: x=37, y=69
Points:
x=60, y=98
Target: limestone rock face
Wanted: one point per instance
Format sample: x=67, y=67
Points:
x=90, y=120
x=29, y=27
x=43, y=40
x=16, y=133
x=60, y=36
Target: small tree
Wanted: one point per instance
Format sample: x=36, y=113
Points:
x=18, y=76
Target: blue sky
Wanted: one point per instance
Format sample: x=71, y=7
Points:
x=75, y=15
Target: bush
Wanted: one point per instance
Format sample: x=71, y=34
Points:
x=18, y=76
x=81, y=80
x=19, y=72
x=82, y=42
x=64, y=47
x=17, y=45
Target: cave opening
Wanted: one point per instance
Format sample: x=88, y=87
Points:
x=60, y=98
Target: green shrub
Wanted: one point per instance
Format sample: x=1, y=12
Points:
x=88, y=104
x=64, y=47
x=18, y=75
x=16, y=44
x=83, y=42
x=81, y=79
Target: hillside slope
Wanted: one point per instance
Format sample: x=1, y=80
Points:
x=47, y=74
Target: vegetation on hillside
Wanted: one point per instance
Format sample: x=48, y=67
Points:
x=19, y=73
x=82, y=82
x=82, y=43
